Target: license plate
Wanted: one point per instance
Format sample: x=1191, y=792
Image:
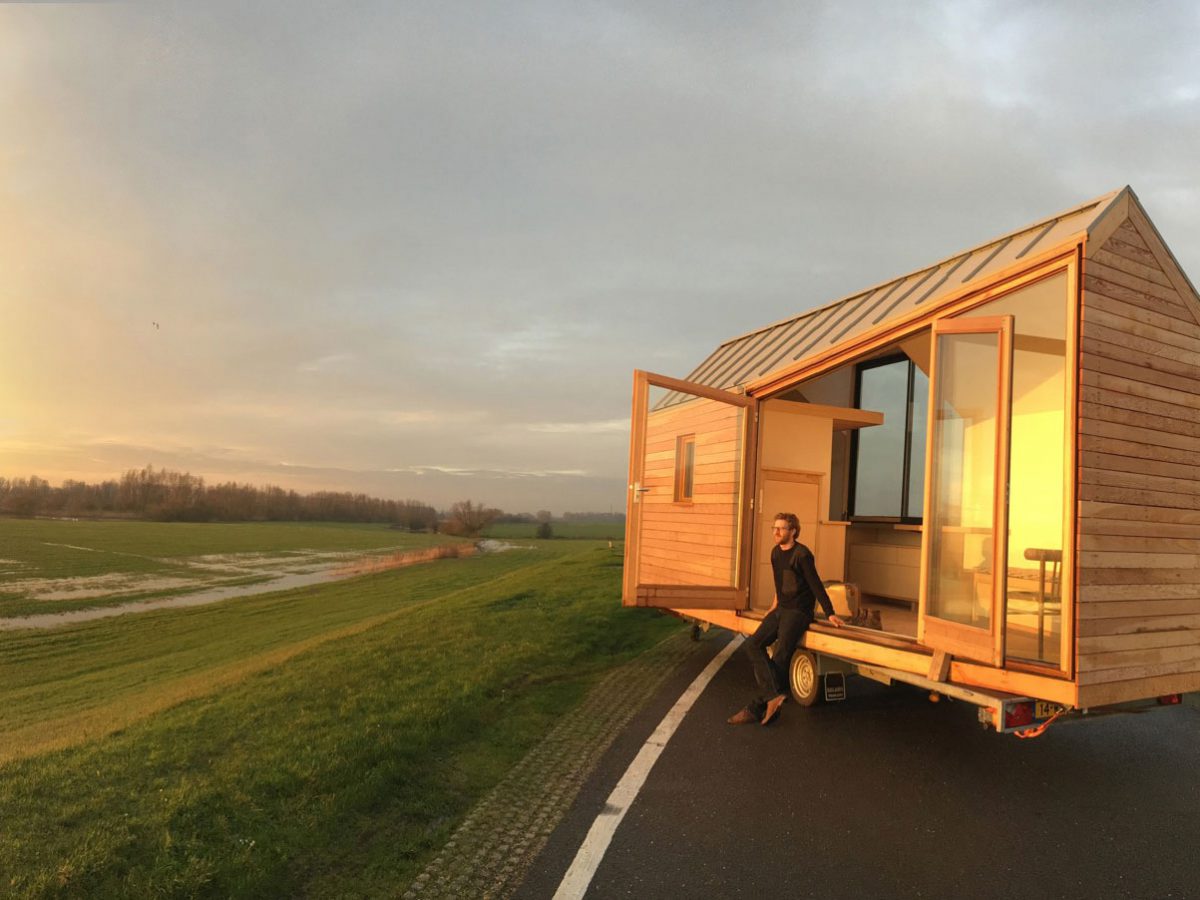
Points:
x=1044, y=710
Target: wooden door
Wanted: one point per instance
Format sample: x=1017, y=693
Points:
x=691, y=463
x=781, y=491
x=964, y=545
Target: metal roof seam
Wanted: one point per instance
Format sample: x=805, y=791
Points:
x=979, y=268
x=714, y=360
x=954, y=268
x=1101, y=202
x=782, y=323
x=1041, y=234
x=866, y=312
x=862, y=298
x=762, y=351
x=832, y=324
x=733, y=364
x=810, y=328
x=709, y=365
x=786, y=335
x=879, y=318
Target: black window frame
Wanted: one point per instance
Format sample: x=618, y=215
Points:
x=906, y=465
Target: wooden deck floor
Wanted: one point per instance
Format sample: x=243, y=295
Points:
x=901, y=619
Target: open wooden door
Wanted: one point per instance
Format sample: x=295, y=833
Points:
x=688, y=511
x=965, y=531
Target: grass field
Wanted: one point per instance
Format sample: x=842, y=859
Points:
x=50, y=565
x=318, y=742
x=595, y=531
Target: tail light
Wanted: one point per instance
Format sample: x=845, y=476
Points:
x=1018, y=714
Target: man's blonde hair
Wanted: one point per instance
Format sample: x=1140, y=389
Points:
x=790, y=518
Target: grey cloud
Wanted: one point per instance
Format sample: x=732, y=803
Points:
x=496, y=213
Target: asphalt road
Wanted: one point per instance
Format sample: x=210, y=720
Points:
x=888, y=795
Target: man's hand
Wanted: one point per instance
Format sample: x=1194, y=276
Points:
x=836, y=621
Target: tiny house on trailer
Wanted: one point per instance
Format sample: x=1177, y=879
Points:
x=995, y=453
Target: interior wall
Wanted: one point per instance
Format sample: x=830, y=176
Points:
x=796, y=442
x=790, y=441
x=835, y=388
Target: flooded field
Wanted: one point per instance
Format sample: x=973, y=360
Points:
x=55, y=572
x=299, y=569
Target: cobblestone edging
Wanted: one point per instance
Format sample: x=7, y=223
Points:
x=489, y=853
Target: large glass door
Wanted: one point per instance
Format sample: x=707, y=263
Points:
x=964, y=544
x=691, y=458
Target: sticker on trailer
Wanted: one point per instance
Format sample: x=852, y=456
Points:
x=835, y=686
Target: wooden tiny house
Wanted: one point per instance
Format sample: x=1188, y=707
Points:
x=997, y=450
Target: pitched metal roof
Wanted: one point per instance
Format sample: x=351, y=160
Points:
x=749, y=357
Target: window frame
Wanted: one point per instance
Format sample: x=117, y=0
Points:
x=685, y=468
x=906, y=464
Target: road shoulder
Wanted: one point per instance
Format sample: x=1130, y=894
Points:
x=517, y=824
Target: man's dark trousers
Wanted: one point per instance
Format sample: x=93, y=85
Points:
x=787, y=626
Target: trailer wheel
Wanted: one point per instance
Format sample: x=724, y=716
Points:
x=804, y=680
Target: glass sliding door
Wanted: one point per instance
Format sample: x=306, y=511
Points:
x=1038, y=615
x=962, y=586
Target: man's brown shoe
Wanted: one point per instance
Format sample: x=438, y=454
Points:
x=742, y=717
x=773, y=708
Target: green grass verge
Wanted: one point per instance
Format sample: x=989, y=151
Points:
x=322, y=742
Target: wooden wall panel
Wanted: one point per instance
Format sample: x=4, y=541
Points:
x=692, y=542
x=1138, y=598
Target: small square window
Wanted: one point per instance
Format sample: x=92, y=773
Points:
x=685, y=467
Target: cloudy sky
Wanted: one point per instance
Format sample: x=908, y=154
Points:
x=417, y=249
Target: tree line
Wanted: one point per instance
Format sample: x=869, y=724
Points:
x=181, y=497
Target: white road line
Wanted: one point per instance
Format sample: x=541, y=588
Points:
x=575, y=883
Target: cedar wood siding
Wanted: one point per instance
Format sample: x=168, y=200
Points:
x=691, y=543
x=1138, y=601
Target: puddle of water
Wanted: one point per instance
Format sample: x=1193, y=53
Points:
x=212, y=595
x=490, y=545
x=303, y=574
x=90, y=587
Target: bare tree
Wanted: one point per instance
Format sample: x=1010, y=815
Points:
x=468, y=518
